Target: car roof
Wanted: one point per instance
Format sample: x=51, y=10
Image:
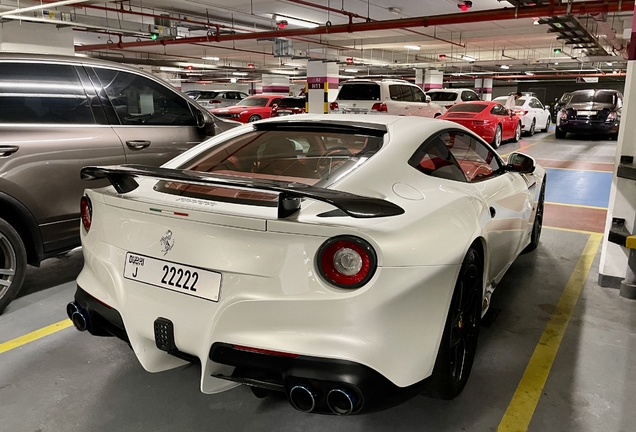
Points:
x=449, y=90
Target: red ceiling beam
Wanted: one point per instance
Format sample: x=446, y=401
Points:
x=579, y=8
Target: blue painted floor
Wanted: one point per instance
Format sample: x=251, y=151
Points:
x=585, y=188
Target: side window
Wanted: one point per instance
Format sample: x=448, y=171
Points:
x=418, y=95
x=141, y=101
x=274, y=101
x=42, y=93
x=435, y=159
x=476, y=160
x=241, y=96
x=499, y=110
x=395, y=92
x=469, y=96
x=401, y=93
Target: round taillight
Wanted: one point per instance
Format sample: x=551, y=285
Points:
x=346, y=261
x=87, y=212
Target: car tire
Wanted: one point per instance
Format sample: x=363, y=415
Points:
x=13, y=262
x=538, y=221
x=547, y=125
x=496, y=140
x=517, y=136
x=533, y=126
x=461, y=331
x=253, y=118
x=559, y=134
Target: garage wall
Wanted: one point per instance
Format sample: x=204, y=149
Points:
x=554, y=89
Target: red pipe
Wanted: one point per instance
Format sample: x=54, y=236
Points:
x=578, y=8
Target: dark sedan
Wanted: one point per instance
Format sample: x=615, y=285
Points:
x=591, y=111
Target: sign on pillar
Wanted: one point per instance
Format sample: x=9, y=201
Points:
x=322, y=86
x=433, y=79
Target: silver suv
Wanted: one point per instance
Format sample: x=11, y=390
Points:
x=58, y=114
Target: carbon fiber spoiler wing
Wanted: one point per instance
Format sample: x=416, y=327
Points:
x=122, y=177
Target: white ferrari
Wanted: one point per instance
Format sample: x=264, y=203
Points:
x=346, y=262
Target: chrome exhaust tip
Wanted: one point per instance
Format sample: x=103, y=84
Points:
x=77, y=315
x=342, y=401
x=302, y=398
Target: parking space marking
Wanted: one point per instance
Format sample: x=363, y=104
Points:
x=576, y=205
x=35, y=335
x=525, y=399
x=569, y=230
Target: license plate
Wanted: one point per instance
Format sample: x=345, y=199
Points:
x=181, y=278
x=586, y=113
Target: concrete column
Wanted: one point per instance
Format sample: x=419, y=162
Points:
x=622, y=203
x=479, y=85
x=36, y=38
x=486, y=89
x=433, y=79
x=275, y=84
x=419, y=78
x=322, y=86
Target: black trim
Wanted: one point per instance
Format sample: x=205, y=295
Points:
x=275, y=372
x=35, y=247
x=122, y=177
x=359, y=128
x=103, y=319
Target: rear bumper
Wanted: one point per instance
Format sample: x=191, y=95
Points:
x=588, y=126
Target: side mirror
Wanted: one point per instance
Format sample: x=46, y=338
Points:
x=427, y=99
x=205, y=122
x=521, y=163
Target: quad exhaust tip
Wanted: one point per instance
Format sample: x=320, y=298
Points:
x=342, y=401
x=77, y=315
x=302, y=398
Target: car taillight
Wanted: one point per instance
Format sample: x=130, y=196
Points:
x=333, y=106
x=480, y=122
x=346, y=261
x=520, y=113
x=379, y=107
x=564, y=115
x=86, y=210
x=611, y=116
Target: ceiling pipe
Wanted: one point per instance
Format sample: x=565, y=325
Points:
x=579, y=8
x=352, y=15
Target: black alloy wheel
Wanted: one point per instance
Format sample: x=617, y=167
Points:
x=461, y=332
x=538, y=221
x=13, y=261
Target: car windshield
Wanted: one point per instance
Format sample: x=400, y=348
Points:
x=565, y=97
x=359, y=91
x=442, y=96
x=292, y=103
x=254, y=101
x=468, y=108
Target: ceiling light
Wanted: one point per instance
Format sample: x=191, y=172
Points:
x=293, y=65
x=351, y=70
x=170, y=69
x=233, y=80
x=239, y=73
x=556, y=63
x=295, y=21
x=530, y=73
x=557, y=50
x=280, y=71
x=412, y=47
x=614, y=71
x=395, y=10
x=468, y=58
x=504, y=67
x=211, y=58
x=609, y=63
x=465, y=5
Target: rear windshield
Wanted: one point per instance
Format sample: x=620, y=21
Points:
x=254, y=101
x=442, y=96
x=590, y=96
x=292, y=103
x=193, y=94
x=469, y=108
x=302, y=155
x=359, y=91
x=208, y=95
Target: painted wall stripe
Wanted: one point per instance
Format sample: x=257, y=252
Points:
x=35, y=335
x=524, y=401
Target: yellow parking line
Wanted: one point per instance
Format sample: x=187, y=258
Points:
x=570, y=230
x=524, y=401
x=576, y=205
x=30, y=337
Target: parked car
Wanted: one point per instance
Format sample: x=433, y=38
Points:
x=490, y=120
x=289, y=106
x=60, y=113
x=531, y=112
x=591, y=111
x=389, y=96
x=216, y=98
x=450, y=97
x=250, y=109
x=351, y=273
x=563, y=101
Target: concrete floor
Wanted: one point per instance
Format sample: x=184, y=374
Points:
x=71, y=381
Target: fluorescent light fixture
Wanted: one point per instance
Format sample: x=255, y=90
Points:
x=556, y=63
x=530, y=73
x=293, y=64
x=233, y=80
x=211, y=58
x=295, y=21
x=609, y=63
x=170, y=69
x=239, y=73
x=614, y=71
x=280, y=71
x=468, y=58
x=351, y=70
x=412, y=47
x=504, y=67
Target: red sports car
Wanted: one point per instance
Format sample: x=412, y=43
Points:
x=250, y=109
x=490, y=120
x=289, y=106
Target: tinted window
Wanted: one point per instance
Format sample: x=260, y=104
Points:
x=605, y=97
x=476, y=160
x=401, y=93
x=418, y=95
x=361, y=91
x=435, y=159
x=499, y=110
x=255, y=101
x=292, y=102
x=442, y=96
x=274, y=101
x=42, y=93
x=469, y=96
x=582, y=97
x=141, y=101
x=469, y=108
x=209, y=95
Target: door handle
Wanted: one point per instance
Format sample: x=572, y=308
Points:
x=493, y=212
x=8, y=150
x=138, y=144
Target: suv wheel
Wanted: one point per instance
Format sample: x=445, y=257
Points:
x=12, y=263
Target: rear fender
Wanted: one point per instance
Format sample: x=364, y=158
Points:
x=16, y=214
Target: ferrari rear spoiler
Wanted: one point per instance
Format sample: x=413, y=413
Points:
x=122, y=177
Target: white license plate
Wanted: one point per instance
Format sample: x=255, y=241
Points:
x=175, y=277
x=586, y=113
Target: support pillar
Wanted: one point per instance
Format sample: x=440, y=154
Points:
x=419, y=78
x=275, y=84
x=486, y=89
x=479, y=85
x=622, y=202
x=322, y=86
x=433, y=79
x=27, y=37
